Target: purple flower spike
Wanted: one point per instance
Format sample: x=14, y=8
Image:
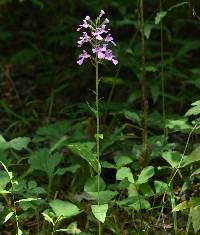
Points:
x=99, y=38
x=82, y=57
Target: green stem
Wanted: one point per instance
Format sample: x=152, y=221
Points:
x=97, y=133
x=162, y=75
x=49, y=188
x=173, y=203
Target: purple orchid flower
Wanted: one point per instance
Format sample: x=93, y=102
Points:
x=99, y=38
x=82, y=57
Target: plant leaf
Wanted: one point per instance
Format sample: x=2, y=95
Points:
x=173, y=158
x=8, y=216
x=43, y=161
x=19, y=143
x=193, y=157
x=81, y=150
x=159, y=16
x=124, y=173
x=48, y=218
x=195, y=214
x=145, y=174
x=64, y=208
x=91, y=184
x=100, y=211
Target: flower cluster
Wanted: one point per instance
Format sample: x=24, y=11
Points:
x=98, y=37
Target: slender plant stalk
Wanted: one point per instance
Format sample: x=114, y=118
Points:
x=97, y=134
x=144, y=89
x=49, y=188
x=162, y=75
x=173, y=204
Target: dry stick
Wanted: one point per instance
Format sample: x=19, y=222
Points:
x=144, y=88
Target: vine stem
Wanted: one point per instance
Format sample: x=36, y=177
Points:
x=144, y=89
x=97, y=134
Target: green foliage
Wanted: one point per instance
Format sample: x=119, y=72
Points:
x=63, y=208
x=85, y=152
x=50, y=181
x=100, y=211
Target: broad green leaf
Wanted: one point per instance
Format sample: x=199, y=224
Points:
x=147, y=30
x=194, y=201
x=133, y=190
x=135, y=203
x=3, y=144
x=140, y=203
x=161, y=187
x=85, y=153
x=43, y=161
x=178, y=125
x=64, y=208
x=122, y=161
x=4, y=179
x=181, y=206
x=108, y=165
x=173, y=158
x=53, y=132
x=99, y=211
x=159, y=16
x=196, y=103
x=145, y=174
x=19, y=143
x=48, y=218
x=19, y=231
x=124, y=173
x=134, y=117
x=195, y=214
x=91, y=184
x=193, y=157
x=103, y=196
x=146, y=190
x=8, y=216
x=193, y=111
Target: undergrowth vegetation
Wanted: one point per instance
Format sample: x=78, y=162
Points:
x=105, y=139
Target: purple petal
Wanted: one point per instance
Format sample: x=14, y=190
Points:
x=100, y=55
x=115, y=62
x=80, y=62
